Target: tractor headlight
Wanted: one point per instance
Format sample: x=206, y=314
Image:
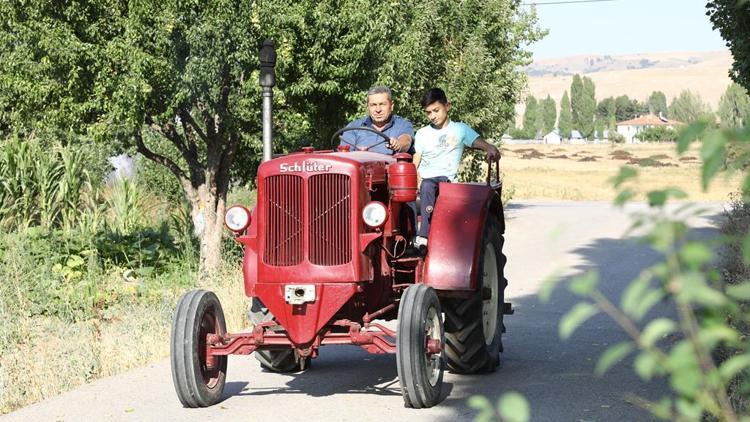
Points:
x=237, y=218
x=374, y=214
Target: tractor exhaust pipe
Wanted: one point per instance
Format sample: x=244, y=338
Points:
x=267, y=81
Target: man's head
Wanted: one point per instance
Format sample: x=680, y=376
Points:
x=379, y=104
x=435, y=104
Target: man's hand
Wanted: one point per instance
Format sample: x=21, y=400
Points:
x=400, y=144
x=394, y=144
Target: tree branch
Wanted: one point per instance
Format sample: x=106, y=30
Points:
x=186, y=117
x=158, y=158
x=169, y=131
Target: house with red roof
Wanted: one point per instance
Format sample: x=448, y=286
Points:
x=630, y=128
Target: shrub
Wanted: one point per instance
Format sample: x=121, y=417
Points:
x=657, y=134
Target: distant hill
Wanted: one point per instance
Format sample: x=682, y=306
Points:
x=634, y=75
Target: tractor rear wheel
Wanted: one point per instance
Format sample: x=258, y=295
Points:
x=284, y=360
x=474, y=326
x=197, y=384
x=419, y=340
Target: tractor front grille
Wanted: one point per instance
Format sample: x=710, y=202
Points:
x=284, y=228
x=328, y=220
x=329, y=198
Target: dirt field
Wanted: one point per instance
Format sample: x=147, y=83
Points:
x=581, y=172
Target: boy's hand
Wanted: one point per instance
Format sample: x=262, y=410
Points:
x=493, y=154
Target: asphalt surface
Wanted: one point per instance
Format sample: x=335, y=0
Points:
x=347, y=384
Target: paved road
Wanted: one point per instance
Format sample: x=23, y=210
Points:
x=347, y=384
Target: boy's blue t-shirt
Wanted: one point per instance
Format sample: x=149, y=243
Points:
x=442, y=149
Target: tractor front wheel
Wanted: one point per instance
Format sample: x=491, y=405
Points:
x=284, y=360
x=199, y=381
x=474, y=326
x=419, y=343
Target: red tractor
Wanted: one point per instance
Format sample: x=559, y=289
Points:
x=326, y=254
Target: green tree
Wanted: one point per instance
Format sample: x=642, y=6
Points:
x=566, y=118
x=688, y=108
x=549, y=114
x=734, y=106
x=589, y=108
x=531, y=117
x=732, y=19
x=185, y=73
x=625, y=108
x=577, y=100
x=657, y=103
x=606, y=112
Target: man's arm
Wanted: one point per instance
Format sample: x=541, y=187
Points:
x=492, y=152
x=400, y=144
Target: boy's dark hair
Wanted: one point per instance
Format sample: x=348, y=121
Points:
x=433, y=95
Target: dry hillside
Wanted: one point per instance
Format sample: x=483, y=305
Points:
x=635, y=75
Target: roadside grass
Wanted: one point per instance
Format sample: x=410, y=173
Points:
x=43, y=356
x=97, y=299
x=582, y=172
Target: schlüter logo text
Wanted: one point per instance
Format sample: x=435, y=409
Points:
x=307, y=166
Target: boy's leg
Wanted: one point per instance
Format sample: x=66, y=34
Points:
x=428, y=192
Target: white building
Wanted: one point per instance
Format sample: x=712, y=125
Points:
x=576, y=137
x=553, y=138
x=631, y=128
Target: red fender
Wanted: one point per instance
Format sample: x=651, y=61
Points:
x=456, y=235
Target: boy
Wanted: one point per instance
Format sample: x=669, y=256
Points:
x=438, y=150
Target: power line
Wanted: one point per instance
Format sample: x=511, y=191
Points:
x=563, y=2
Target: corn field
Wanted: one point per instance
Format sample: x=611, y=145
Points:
x=40, y=187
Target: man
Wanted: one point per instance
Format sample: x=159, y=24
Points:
x=381, y=118
x=439, y=147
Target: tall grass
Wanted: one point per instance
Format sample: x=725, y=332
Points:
x=89, y=272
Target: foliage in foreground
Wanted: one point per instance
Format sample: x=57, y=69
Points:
x=709, y=312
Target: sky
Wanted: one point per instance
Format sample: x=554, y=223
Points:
x=624, y=26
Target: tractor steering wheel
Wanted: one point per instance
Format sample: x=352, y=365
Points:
x=366, y=129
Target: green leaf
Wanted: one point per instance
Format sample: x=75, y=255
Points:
x=626, y=173
x=585, y=284
x=734, y=365
x=613, y=355
x=690, y=410
x=657, y=198
x=634, y=292
x=712, y=335
x=656, y=330
x=663, y=409
x=513, y=407
x=646, y=365
x=694, y=290
x=713, y=154
x=575, y=317
x=650, y=299
x=690, y=134
x=484, y=407
x=739, y=291
x=624, y=196
x=687, y=380
x=695, y=255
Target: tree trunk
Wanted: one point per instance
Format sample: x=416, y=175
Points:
x=208, y=219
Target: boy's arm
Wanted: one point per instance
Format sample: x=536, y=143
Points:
x=416, y=159
x=492, y=152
